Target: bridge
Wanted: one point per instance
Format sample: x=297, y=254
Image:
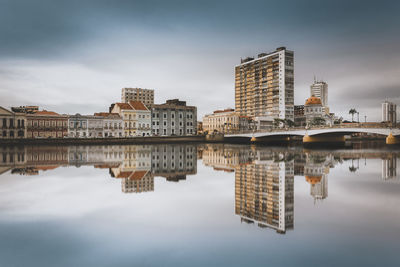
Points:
x=335, y=133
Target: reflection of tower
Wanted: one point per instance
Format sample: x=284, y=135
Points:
x=389, y=167
x=316, y=171
x=264, y=194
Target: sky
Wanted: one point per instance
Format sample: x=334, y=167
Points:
x=75, y=56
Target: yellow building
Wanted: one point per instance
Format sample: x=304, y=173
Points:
x=136, y=118
x=222, y=121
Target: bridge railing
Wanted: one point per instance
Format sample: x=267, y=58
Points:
x=376, y=125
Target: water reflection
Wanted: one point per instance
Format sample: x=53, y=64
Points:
x=264, y=176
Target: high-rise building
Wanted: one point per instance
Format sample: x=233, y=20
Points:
x=389, y=112
x=137, y=94
x=320, y=89
x=265, y=86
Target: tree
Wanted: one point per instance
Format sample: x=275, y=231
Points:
x=278, y=122
x=289, y=123
x=352, y=112
x=318, y=121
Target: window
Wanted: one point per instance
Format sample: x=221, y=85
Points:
x=165, y=115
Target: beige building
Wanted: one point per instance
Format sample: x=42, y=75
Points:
x=222, y=121
x=12, y=124
x=137, y=94
x=136, y=118
x=265, y=86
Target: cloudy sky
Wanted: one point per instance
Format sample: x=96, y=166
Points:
x=75, y=56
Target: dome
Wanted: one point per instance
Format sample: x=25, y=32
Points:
x=313, y=100
x=313, y=179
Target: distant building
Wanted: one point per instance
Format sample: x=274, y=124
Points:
x=265, y=86
x=12, y=124
x=315, y=113
x=112, y=124
x=299, y=117
x=25, y=109
x=173, y=117
x=85, y=126
x=137, y=94
x=136, y=117
x=389, y=112
x=320, y=90
x=222, y=121
x=46, y=124
x=199, y=127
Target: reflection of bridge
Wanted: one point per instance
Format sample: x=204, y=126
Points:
x=324, y=134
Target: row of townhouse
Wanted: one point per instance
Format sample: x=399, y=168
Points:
x=123, y=120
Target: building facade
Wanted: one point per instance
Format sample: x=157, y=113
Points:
x=222, y=121
x=136, y=118
x=138, y=94
x=299, y=117
x=85, y=126
x=173, y=117
x=112, y=124
x=315, y=113
x=265, y=86
x=46, y=124
x=12, y=124
x=389, y=112
x=320, y=90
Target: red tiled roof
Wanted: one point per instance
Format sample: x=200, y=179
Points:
x=124, y=105
x=138, y=105
x=46, y=113
x=123, y=175
x=138, y=175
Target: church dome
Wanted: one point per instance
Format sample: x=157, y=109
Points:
x=313, y=179
x=313, y=100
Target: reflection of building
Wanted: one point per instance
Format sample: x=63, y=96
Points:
x=225, y=157
x=173, y=117
x=316, y=172
x=265, y=85
x=389, y=112
x=264, y=193
x=174, y=162
x=389, y=167
x=138, y=94
x=12, y=124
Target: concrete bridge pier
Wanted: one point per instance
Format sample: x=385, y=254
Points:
x=323, y=139
x=392, y=140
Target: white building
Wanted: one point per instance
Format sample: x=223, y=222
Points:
x=173, y=117
x=320, y=90
x=112, y=124
x=85, y=126
x=389, y=112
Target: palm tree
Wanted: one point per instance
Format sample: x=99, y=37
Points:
x=352, y=112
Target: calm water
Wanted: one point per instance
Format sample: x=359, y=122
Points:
x=198, y=205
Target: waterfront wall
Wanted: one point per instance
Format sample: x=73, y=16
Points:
x=104, y=141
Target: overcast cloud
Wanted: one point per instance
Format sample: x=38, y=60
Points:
x=75, y=56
